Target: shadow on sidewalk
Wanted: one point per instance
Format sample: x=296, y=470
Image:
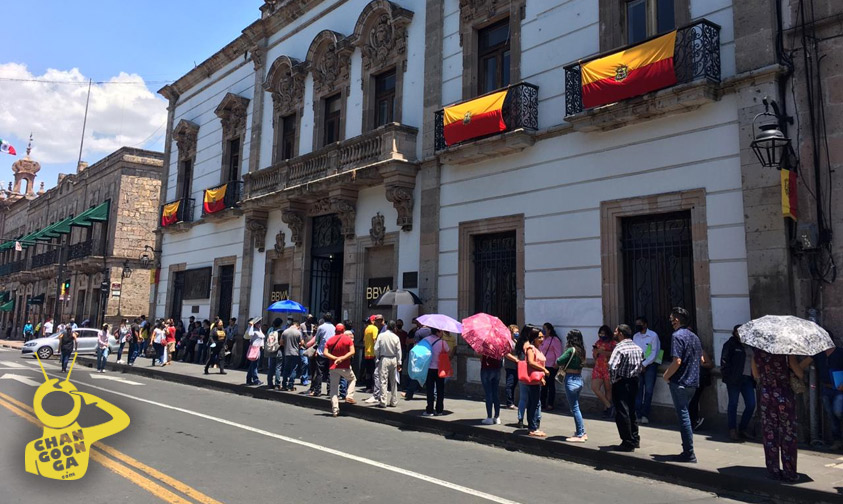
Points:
x=759, y=473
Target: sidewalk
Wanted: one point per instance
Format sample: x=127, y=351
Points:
x=724, y=467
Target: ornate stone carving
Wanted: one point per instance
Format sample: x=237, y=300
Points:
x=232, y=112
x=321, y=207
x=347, y=214
x=185, y=135
x=285, y=81
x=295, y=222
x=258, y=229
x=258, y=56
x=378, y=230
x=280, y=241
x=473, y=9
x=381, y=34
x=328, y=58
x=402, y=199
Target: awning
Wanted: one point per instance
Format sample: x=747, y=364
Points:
x=98, y=213
x=55, y=230
x=7, y=307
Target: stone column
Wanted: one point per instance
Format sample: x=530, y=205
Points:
x=254, y=237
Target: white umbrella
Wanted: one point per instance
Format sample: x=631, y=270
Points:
x=785, y=335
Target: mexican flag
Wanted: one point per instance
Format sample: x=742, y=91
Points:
x=7, y=147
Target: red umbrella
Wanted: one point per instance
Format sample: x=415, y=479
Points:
x=487, y=335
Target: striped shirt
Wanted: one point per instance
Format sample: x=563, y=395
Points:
x=626, y=361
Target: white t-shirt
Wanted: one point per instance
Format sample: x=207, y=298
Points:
x=48, y=328
x=159, y=336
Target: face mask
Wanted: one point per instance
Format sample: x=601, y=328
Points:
x=603, y=336
x=639, y=328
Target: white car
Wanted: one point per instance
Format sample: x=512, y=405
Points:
x=86, y=344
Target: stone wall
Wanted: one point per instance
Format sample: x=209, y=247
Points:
x=137, y=214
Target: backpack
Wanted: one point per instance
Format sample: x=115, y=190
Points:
x=271, y=345
x=420, y=357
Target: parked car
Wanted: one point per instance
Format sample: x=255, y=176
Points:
x=86, y=344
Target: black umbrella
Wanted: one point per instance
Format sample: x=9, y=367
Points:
x=398, y=297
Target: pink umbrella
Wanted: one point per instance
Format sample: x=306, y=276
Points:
x=487, y=335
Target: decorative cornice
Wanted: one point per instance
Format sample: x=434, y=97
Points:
x=402, y=199
x=285, y=81
x=295, y=222
x=186, y=134
x=328, y=58
x=381, y=34
x=232, y=112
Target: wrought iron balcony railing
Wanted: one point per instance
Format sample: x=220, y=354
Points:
x=520, y=110
x=696, y=57
x=232, y=195
x=80, y=250
x=183, y=214
x=46, y=258
x=17, y=266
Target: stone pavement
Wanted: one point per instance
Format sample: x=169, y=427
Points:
x=723, y=466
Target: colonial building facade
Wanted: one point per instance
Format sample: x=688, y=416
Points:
x=82, y=242
x=325, y=121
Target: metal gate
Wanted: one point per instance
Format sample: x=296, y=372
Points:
x=177, y=300
x=658, y=269
x=226, y=290
x=326, y=265
x=494, y=276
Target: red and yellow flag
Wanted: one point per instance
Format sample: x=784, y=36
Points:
x=170, y=213
x=629, y=73
x=475, y=118
x=215, y=199
x=789, y=194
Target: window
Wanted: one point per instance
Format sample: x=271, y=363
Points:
x=493, y=57
x=646, y=18
x=288, y=136
x=333, y=112
x=197, y=283
x=384, y=98
x=234, y=159
x=186, y=178
x=495, y=275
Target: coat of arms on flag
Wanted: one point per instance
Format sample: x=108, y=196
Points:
x=7, y=148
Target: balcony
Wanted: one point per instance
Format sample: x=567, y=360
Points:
x=45, y=259
x=80, y=250
x=182, y=215
x=390, y=142
x=520, y=114
x=696, y=62
x=231, y=199
x=17, y=266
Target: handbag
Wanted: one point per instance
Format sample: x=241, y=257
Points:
x=254, y=353
x=560, y=375
x=797, y=385
x=445, y=370
x=528, y=377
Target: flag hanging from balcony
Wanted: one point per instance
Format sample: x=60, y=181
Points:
x=632, y=72
x=789, y=194
x=215, y=199
x=170, y=213
x=475, y=118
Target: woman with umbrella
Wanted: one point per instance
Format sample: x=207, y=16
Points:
x=777, y=341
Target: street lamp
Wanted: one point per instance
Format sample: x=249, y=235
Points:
x=126, y=273
x=769, y=144
x=147, y=256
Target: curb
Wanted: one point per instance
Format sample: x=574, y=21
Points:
x=684, y=475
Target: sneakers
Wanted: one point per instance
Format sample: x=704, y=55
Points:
x=120, y=361
x=699, y=423
x=335, y=414
x=497, y=421
x=685, y=457
x=577, y=439
x=427, y=414
x=371, y=400
x=643, y=421
x=488, y=421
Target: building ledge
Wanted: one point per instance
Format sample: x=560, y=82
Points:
x=487, y=148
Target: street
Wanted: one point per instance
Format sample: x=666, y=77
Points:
x=191, y=445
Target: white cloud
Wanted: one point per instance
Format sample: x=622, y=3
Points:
x=119, y=114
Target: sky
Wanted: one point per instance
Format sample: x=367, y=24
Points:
x=130, y=49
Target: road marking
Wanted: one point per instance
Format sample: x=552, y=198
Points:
x=14, y=364
x=120, y=469
x=35, y=362
x=21, y=379
x=97, y=376
x=15, y=368
x=314, y=446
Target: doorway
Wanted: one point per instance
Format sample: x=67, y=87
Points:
x=177, y=301
x=326, y=265
x=226, y=290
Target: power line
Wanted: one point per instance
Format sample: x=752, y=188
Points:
x=83, y=83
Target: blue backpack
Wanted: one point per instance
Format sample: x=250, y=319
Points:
x=420, y=357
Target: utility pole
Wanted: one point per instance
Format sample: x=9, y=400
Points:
x=84, y=123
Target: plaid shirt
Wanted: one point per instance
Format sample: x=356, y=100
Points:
x=626, y=361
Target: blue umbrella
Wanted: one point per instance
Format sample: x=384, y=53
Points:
x=286, y=305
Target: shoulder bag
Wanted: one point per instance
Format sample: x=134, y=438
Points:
x=560, y=375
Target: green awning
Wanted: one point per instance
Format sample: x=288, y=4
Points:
x=7, y=307
x=55, y=230
x=98, y=213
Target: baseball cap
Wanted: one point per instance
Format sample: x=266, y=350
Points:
x=423, y=333
x=372, y=318
x=340, y=328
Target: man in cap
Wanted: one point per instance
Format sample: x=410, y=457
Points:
x=389, y=357
x=339, y=350
x=370, y=334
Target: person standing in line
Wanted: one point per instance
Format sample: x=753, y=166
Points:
x=121, y=335
x=490, y=377
x=601, y=382
x=270, y=349
x=216, y=343
x=309, y=352
x=143, y=324
x=551, y=348
x=516, y=356
x=705, y=381
x=339, y=350
x=28, y=330
x=316, y=337
x=683, y=377
x=189, y=354
x=389, y=356
x=170, y=349
x=370, y=334
x=134, y=344
x=778, y=412
x=47, y=328
x=510, y=367
x=67, y=345
x=413, y=337
x=102, y=348
x=625, y=365
x=256, y=340
x=406, y=345
x=231, y=332
x=571, y=361
x=159, y=339
x=434, y=384
x=291, y=341
x=378, y=385
x=535, y=362
x=649, y=343
x=736, y=369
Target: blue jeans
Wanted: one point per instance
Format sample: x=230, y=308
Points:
x=646, y=386
x=120, y=351
x=273, y=370
x=681, y=397
x=65, y=358
x=134, y=348
x=159, y=353
x=491, y=379
x=201, y=353
x=511, y=382
x=573, y=387
x=533, y=407
x=833, y=406
x=745, y=388
x=252, y=373
x=291, y=362
x=522, y=402
x=304, y=368
x=102, y=356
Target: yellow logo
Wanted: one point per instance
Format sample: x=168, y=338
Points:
x=467, y=118
x=621, y=73
x=63, y=451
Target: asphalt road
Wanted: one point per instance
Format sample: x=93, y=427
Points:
x=186, y=444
